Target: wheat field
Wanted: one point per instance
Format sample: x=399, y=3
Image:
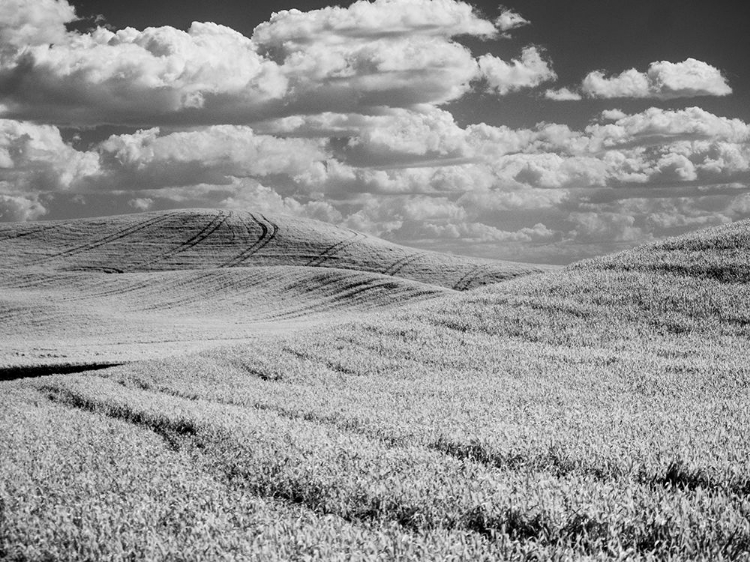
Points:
x=436, y=409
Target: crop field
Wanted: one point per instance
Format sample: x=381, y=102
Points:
x=595, y=412
x=108, y=290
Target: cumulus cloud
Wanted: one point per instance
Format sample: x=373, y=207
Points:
x=478, y=232
x=363, y=21
x=34, y=158
x=508, y=19
x=33, y=22
x=663, y=80
x=657, y=126
x=132, y=76
x=562, y=94
x=213, y=155
x=601, y=226
x=613, y=114
x=527, y=72
x=18, y=208
x=386, y=53
x=141, y=203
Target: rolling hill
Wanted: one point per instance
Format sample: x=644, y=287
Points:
x=215, y=239
x=115, y=289
x=594, y=412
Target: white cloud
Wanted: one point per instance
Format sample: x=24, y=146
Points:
x=211, y=155
x=605, y=227
x=132, y=76
x=141, y=203
x=19, y=208
x=394, y=53
x=363, y=21
x=528, y=72
x=508, y=19
x=35, y=158
x=656, y=125
x=562, y=94
x=662, y=80
x=33, y=22
x=613, y=114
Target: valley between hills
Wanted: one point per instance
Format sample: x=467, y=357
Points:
x=216, y=385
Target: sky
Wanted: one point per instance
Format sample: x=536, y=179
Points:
x=531, y=131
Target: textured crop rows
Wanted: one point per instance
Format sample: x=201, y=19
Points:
x=203, y=239
x=596, y=413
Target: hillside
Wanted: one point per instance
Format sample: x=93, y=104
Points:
x=115, y=289
x=719, y=253
x=594, y=412
x=210, y=239
x=61, y=318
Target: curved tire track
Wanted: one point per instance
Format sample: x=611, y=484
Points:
x=216, y=222
x=334, y=249
x=4, y=237
x=399, y=264
x=465, y=281
x=260, y=243
x=119, y=235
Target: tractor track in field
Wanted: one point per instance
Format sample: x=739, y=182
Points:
x=267, y=233
x=351, y=293
x=108, y=291
x=4, y=237
x=250, y=250
x=465, y=282
x=210, y=284
x=334, y=249
x=119, y=235
x=204, y=234
x=399, y=264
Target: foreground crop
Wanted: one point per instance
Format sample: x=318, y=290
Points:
x=599, y=412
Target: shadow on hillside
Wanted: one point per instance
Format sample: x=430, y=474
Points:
x=31, y=371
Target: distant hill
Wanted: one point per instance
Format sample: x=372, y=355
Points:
x=134, y=286
x=207, y=239
x=721, y=252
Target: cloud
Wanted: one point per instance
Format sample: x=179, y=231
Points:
x=20, y=208
x=528, y=72
x=141, y=203
x=33, y=22
x=663, y=80
x=613, y=114
x=213, y=155
x=399, y=152
x=562, y=94
x=657, y=126
x=363, y=21
x=387, y=53
x=604, y=226
x=509, y=19
x=34, y=158
x=131, y=76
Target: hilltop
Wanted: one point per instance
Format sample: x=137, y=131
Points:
x=216, y=239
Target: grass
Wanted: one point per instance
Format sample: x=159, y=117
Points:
x=599, y=412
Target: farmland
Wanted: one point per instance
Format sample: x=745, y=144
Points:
x=135, y=286
x=594, y=412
